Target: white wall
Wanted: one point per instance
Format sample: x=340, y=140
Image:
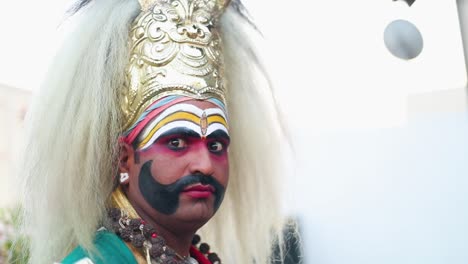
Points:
x=394, y=195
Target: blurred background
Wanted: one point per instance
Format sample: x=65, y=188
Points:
x=375, y=97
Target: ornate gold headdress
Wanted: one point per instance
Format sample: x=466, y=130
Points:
x=175, y=49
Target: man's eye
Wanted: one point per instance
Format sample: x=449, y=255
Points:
x=215, y=146
x=177, y=144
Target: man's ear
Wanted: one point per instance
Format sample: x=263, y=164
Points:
x=126, y=157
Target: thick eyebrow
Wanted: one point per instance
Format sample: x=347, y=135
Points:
x=182, y=131
x=219, y=134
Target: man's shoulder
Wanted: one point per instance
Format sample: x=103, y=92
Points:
x=109, y=249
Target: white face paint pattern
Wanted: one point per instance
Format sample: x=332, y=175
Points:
x=184, y=116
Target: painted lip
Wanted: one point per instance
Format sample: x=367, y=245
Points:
x=199, y=191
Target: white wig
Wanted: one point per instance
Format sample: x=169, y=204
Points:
x=70, y=151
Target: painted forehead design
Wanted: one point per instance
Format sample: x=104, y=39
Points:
x=201, y=121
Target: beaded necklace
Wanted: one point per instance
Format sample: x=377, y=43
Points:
x=143, y=236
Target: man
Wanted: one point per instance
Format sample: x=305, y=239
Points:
x=170, y=96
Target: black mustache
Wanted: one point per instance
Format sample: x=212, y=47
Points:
x=165, y=197
x=190, y=179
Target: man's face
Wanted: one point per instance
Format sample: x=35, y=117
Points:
x=179, y=165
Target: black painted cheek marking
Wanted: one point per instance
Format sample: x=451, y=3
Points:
x=165, y=198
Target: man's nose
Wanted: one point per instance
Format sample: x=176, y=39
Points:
x=202, y=162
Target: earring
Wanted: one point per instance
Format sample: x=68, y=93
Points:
x=123, y=177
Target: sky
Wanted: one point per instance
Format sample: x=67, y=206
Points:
x=312, y=35
x=28, y=29
x=334, y=51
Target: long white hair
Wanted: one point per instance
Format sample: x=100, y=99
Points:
x=70, y=153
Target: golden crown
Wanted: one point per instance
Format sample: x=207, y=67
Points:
x=175, y=50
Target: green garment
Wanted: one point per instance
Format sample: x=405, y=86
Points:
x=110, y=250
